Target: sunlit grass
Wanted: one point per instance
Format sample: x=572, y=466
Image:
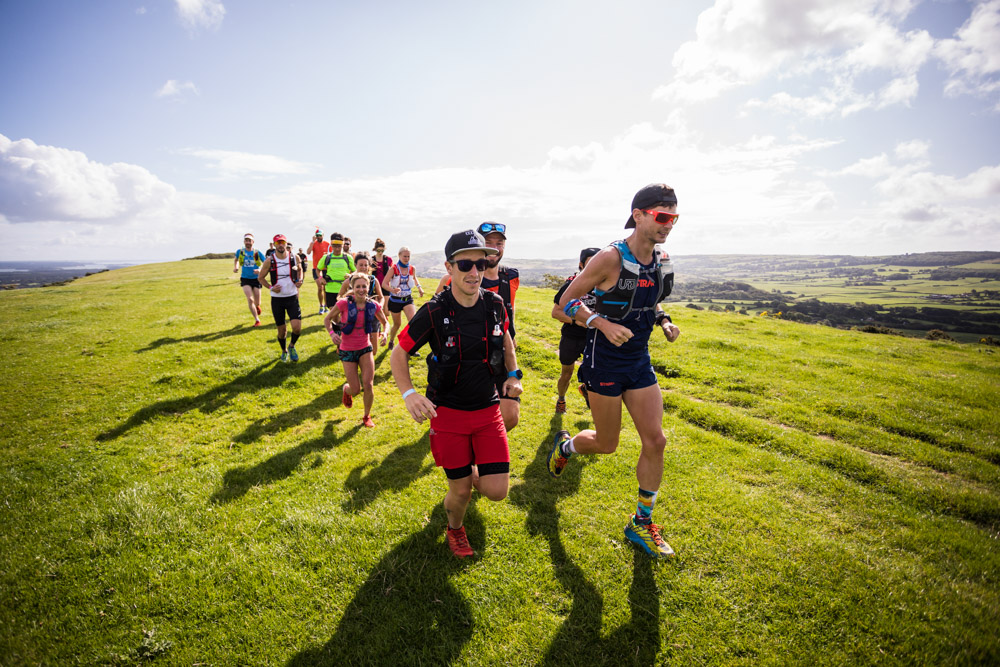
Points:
x=170, y=491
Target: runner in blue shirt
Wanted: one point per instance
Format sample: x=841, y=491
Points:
x=251, y=260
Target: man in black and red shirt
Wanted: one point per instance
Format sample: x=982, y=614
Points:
x=467, y=329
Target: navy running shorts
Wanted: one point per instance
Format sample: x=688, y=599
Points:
x=608, y=383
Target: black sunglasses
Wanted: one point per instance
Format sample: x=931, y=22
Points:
x=465, y=265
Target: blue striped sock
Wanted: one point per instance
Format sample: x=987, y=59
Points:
x=644, y=508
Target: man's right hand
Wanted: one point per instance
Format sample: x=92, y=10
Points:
x=420, y=407
x=616, y=334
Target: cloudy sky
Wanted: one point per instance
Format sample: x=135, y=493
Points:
x=159, y=129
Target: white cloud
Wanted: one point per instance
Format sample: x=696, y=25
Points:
x=140, y=11
x=39, y=183
x=741, y=42
x=235, y=164
x=197, y=14
x=758, y=196
x=174, y=88
x=973, y=57
x=914, y=150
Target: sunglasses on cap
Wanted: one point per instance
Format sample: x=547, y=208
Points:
x=662, y=217
x=488, y=227
x=465, y=265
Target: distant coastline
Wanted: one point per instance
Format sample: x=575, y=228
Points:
x=26, y=274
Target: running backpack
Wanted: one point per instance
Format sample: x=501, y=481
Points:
x=342, y=257
x=444, y=366
x=616, y=302
x=293, y=269
x=352, y=316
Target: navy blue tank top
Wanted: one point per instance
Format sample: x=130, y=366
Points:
x=600, y=353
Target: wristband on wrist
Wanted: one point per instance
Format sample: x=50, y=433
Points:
x=660, y=316
x=571, y=308
x=591, y=319
x=409, y=391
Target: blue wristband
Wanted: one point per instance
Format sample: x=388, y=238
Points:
x=409, y=391
x=570, y=308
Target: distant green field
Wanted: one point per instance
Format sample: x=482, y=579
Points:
x=171, y=492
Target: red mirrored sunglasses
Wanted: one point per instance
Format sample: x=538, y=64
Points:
x=662, y=217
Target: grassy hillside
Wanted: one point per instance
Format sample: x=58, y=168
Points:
x=170, y=491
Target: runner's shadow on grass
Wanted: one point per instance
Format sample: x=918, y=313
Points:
x=286, y=420
x=637, y=642
x=407, y=611
x=579, y=638
x=397, y=471
x=539, y=495
x=200, y=338
x=238, y=481
x=213, y=399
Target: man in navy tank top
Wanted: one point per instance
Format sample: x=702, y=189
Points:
x=631, y=278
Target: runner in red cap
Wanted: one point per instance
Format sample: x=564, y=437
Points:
x=282, y=274
x=467, y=329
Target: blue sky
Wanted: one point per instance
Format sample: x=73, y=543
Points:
x=155, y=130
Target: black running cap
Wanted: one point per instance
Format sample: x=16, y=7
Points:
x=587, y=253
x=470, y=239
x=651, y=195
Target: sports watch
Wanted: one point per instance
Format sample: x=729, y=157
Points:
x=516, y=373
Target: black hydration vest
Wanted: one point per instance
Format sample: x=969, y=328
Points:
x=444, y=366
x=616, y=303
x=293, y=271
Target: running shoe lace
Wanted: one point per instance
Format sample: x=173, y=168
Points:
x=459, y=542
x=654, y=532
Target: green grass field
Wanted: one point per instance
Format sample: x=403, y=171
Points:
x=171, y=493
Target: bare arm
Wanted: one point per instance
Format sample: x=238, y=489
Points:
x=265, y=269
x=442, y=283
x=417, y=283
x=557, y=313
x=418, y=405
x=511, y=386
x=332, y=318
x=601, y=272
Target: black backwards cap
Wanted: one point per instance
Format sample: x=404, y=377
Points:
x=651, y=195
x=587, y=253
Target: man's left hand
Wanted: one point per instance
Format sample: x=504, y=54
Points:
x=512, y=388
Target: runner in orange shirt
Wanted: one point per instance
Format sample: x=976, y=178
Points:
x=318, y=247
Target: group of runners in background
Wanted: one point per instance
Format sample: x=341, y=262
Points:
x=608, y=309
